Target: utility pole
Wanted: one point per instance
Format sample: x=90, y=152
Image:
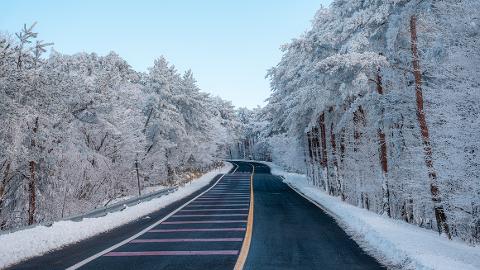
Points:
x=138, y=176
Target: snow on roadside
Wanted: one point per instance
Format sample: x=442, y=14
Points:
x=24, y=244
x=391, y=241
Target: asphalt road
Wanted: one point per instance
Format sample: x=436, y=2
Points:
x=287, y=232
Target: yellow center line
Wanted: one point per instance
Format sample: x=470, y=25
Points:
x=242, y=257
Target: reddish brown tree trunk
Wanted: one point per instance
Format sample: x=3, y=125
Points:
x=383, y=153
x=427, y=148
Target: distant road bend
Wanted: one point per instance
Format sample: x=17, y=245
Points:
x=246, y=219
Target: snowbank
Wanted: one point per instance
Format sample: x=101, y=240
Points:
x=21, y=245
x=394, y=242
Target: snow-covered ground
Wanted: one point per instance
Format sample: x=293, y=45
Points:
x=20, y=245
x=394, y=242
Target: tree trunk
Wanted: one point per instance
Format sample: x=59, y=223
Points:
x=324, y=159
x=310, y=155
x=333, y=142
x=316, y=153
x=383, y=153
x=138, y=178
x=342, y=159
x=359, y=122
x=32, y=198
x=32, y=194
x=427, y=148
x=3, y=185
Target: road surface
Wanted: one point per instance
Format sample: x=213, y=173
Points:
x=215, y=228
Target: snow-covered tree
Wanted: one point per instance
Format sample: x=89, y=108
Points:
x=378, y=96
x=81, y=130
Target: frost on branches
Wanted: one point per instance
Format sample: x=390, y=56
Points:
x=379, y=104
x=77, y=130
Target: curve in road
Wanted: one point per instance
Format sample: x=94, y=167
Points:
x=215, y=228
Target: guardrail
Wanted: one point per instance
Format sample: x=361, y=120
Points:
x=119, y=206
x=102, y=211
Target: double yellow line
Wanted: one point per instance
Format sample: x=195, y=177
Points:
x=242, y=257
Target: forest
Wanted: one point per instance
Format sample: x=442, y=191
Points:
x=78, y=131
x=379, y=104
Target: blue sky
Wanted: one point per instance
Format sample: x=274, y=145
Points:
x=228, y=44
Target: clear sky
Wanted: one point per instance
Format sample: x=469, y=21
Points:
x=228, y=44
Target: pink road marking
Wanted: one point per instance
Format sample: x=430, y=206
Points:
x=230, y=190
x=246, y=180
x=215, y=196
x=180, y=240
x=234, y=184
x=215, y=200
x=225, y=197
x=219, y=196
x=210, y=205
x=246, y=200
x=204, y=221
x=222, y=199
x=230, y=193
x=234, y=190
x=219, y=202
x=230, y=185
x=198, y=230
x=213, y=215
x=213, y=209
x=171, y=253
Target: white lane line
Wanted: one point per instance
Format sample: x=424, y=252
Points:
x=99, y=254
x=235, y=168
